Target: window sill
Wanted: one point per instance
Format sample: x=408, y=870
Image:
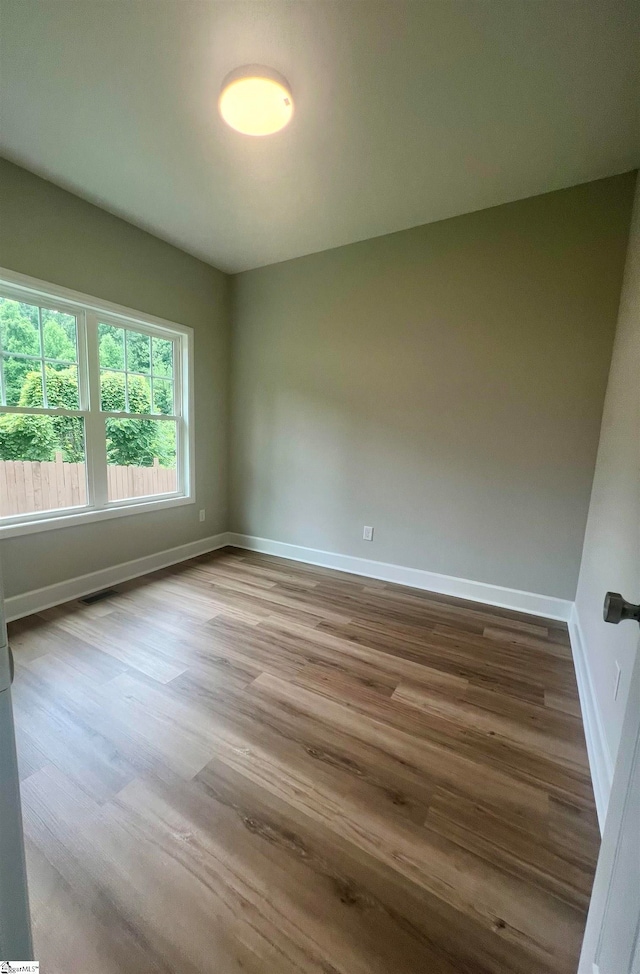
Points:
x=52, y=520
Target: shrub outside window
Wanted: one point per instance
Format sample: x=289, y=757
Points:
x=94, y=408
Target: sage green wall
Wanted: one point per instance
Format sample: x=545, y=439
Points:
x=443, y=384
x=611, y=554
x=50, y=234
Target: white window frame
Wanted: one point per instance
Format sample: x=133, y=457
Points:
x=88, y=311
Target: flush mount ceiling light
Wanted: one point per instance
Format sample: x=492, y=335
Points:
x=256, y=100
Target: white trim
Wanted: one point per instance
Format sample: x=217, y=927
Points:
x=38, y=599
x=600, y=761
x=17, y=606
x=74, y=516
x=546, y=606
x=461, y=588
x=75, y=299
x=88, y=310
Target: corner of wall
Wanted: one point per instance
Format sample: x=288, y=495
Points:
x=611, y=550
x=228, y=314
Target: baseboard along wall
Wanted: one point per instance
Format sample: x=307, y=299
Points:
x=17, y=606
x=546, y=606
x=600, y=760
x=462, y=588
x=600, y=763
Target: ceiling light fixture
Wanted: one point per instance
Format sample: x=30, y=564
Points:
x=256, y=100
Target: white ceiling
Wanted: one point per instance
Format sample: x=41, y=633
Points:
x=406, y=112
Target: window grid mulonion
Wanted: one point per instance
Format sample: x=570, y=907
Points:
x=166, y=379
x=153, y=376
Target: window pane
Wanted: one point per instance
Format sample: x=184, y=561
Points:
x=111, y=344
x=62, y=385
x=19, y=328
x=22, y=381
x=112, y=386
x=138, y=352
x=162, y=357
x=163, y=396
x=60, y=335
x=42, y=463
x=141, y=457
x=139, y=389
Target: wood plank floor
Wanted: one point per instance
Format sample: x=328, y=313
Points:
x=244, y=764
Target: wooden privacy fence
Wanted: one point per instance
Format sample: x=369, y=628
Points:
x=30, y=485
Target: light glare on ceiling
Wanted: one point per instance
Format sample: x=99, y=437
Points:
x=256, y=100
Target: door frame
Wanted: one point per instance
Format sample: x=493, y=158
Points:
x=619, y=815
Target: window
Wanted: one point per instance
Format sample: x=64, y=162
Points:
x=94, y=408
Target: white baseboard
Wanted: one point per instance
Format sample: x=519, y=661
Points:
x=600, y=762
x=546, y=606
x=462, y=588
x=38, y=599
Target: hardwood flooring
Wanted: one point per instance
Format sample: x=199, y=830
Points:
x=243, y=764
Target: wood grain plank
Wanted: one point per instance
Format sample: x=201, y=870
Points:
x=246, y=765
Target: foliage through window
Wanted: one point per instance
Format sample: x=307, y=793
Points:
x=91, y=408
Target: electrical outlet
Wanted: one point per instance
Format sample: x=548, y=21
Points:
x=616, y=686
x=202, y=515
x=367, y=534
